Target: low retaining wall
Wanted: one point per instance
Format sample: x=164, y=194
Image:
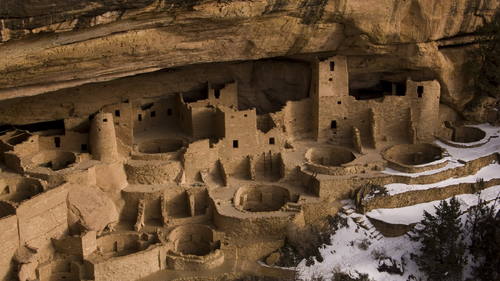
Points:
x=335, y=188
x=130, y=267
x=422, y=196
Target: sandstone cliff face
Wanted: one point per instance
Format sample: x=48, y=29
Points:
x=49, y=45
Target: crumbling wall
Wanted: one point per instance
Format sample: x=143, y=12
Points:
x=226, y=95
x=9, y=243
x=151, y=199
x=198, y=150
x=185, y=116
x=70, y=141
x=202, y=119
x=43, y=217
x=130, y=267
x=18, y=189
x=79, y=246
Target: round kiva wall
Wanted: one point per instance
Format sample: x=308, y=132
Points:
x=329, y=156
x=414, y=158
x=466, y=134
x=160, y=146
x=54, y=159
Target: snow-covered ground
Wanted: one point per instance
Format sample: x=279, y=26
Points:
x=346, y=253
x=353, y=251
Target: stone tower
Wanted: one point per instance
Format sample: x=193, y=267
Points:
x=103, y=145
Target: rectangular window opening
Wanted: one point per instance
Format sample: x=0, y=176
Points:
x=235, y=143
x=57, y=142
x=153, y=113
x=271, y=141
x=217, y=93
x=84, y=147
x=332, y=66
x=117, y=113
x=420, y=91
x=333, y=124
x=104, y=120
x=169, y=111
x=139, y=117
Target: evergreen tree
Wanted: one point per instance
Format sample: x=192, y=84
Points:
x=484, y=63
x=483, y=223
x=442, y=243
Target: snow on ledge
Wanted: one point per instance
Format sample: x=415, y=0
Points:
x=489, y=172
x=414, y=214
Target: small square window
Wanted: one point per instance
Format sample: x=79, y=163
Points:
x=271, y=141
x=117, y=113
x=235, y=143
x=153, y=113
x=339, y=102
x=84, y=147
x=169, y=111
x=104, y=120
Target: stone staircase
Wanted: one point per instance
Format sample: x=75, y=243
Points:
x=349, y=210
x=292, y=207
x=412, y=234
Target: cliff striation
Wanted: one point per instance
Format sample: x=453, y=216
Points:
x=47, y=45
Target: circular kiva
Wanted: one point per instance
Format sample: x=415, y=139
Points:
x=331, y=156
x=466, y=134
x=193, y=239
x=413, y=158
x=160, y=146
x=194, y=247
x=54, y=159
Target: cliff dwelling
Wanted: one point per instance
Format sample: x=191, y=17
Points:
x=136, y=147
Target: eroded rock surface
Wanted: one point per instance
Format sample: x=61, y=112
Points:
x=48, y=46
x=90, y=209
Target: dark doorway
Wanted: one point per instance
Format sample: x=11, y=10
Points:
x=332, y=66
x=420, y=91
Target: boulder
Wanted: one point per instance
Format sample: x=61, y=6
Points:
x=90, y=209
